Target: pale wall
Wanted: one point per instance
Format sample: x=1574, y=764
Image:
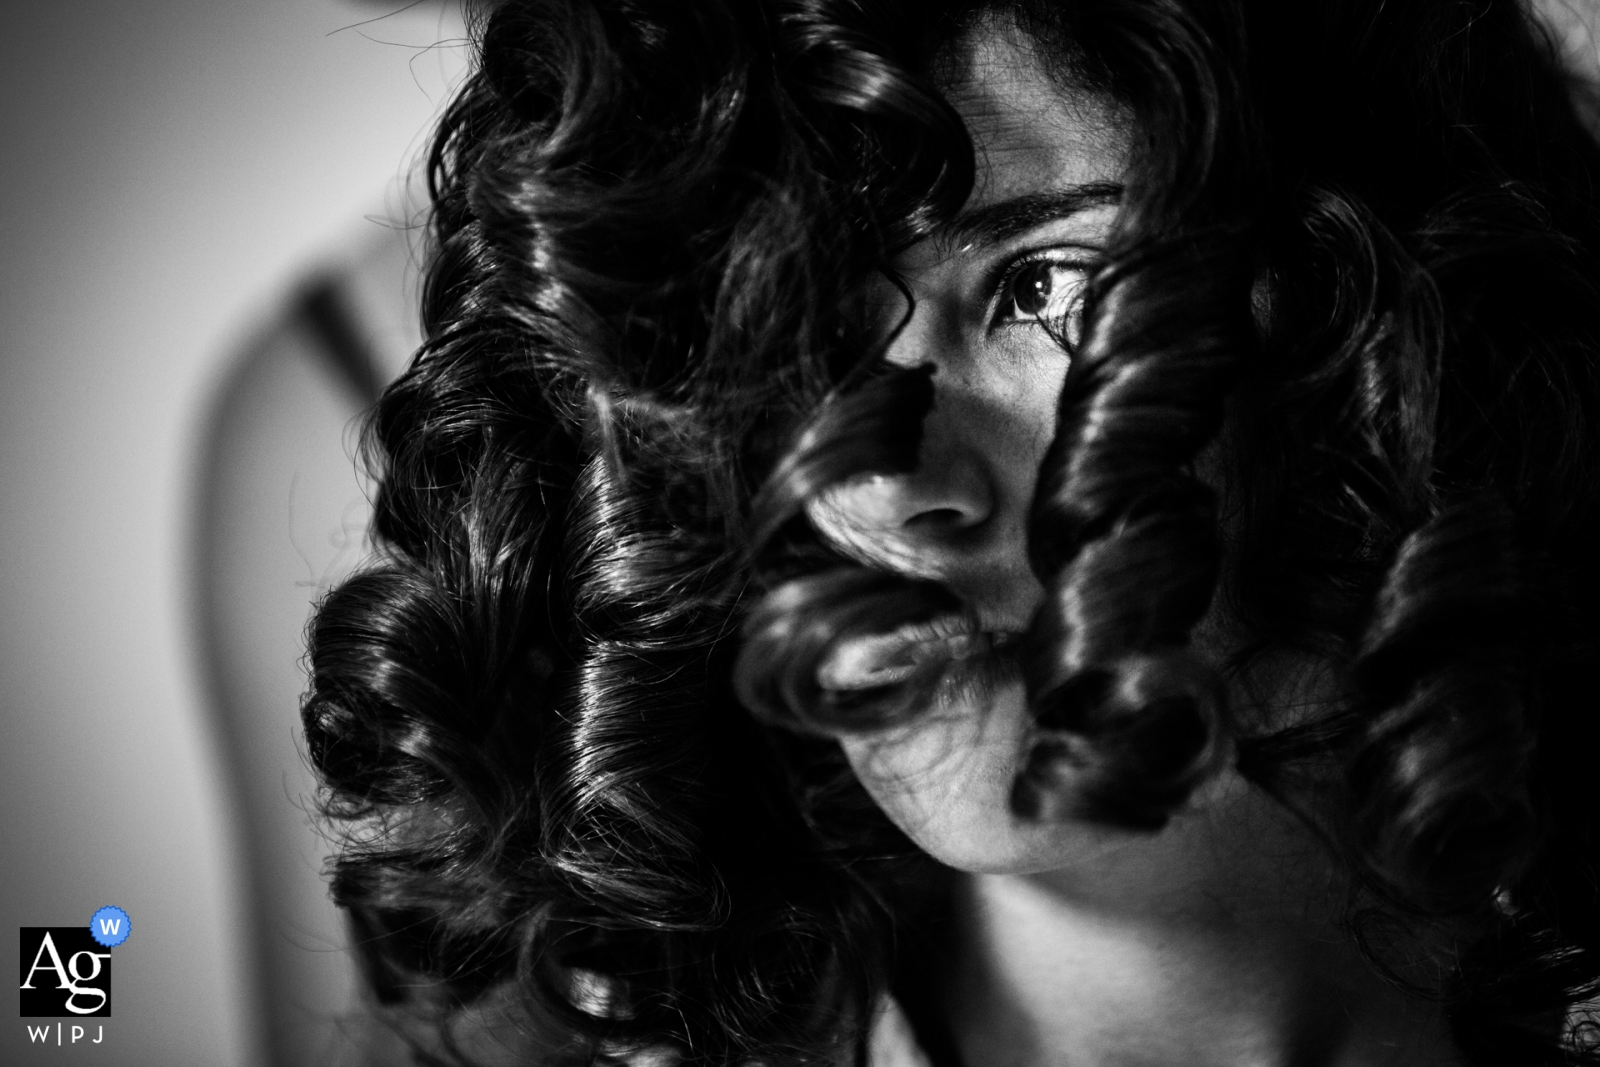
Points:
x=166, y=167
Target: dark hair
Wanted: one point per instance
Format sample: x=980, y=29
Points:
x=1354, y=269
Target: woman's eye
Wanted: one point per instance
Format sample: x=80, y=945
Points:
x=1044, y=290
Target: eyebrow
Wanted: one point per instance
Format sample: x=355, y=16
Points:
x=996, y=223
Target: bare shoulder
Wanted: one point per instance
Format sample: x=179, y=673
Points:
x=892, y=1042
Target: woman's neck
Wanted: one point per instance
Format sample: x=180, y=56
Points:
x=1047, y=976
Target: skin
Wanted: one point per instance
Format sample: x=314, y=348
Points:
x=1214, y=941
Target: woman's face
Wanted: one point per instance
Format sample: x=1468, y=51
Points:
x=993, y=292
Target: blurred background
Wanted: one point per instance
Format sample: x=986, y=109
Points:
x=206, y=271
x=203, y=273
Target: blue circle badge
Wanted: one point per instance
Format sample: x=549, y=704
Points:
x=110, y=926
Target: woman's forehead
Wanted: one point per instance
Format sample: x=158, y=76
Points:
x=1032, y=134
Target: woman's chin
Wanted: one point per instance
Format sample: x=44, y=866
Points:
x=946, y=779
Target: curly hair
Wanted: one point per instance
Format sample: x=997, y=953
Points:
x=570, y=716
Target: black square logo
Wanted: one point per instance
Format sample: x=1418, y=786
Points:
x=65, y=974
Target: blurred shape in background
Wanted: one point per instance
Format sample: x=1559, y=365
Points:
x=173, y=173
x=281, y=518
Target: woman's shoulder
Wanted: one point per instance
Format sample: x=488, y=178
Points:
x=892, y=1042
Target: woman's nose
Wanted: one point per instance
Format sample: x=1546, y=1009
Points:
x=927, y=522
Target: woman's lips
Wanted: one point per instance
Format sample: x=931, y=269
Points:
x=876, y=660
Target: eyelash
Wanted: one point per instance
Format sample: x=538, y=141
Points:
x=1004, y=300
